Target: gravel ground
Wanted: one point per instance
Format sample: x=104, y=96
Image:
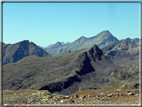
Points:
x=101, y=96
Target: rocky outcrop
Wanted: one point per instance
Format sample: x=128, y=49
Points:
x=125, y=53
x=136, y=40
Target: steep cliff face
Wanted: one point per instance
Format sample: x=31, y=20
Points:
x=15, y=52
x=65, y=73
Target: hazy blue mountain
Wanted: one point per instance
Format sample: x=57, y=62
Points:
x=102, y=39
x=49, y=46
x=63, y=43
x=41, y=47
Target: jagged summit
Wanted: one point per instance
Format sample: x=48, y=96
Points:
x=58, y=43
x=128, y=39
x=23, y=41
x=119, y=46
x=136, y=40
x=125, y=45
x=105, y=34
x=105, y=31
x=123, y=52
x=82, y=37
x=95, y=52
x=95, y=49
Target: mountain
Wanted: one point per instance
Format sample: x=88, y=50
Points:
x=66, y=43
x=125, y=53
x=126, y=78
x=136, y=40
x=65, y=73
x=57, y=44
x=17, y=51
x=103, y=39
x=54, y=44
x=49, y=46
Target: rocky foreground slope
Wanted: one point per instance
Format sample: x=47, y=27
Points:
x=43, y=97
x=65, y=73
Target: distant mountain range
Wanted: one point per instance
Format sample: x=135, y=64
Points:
x=103, y=39
x=62, y=43
x=17, y=51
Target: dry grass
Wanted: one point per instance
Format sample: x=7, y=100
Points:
x=20, y=91
x=107, y=90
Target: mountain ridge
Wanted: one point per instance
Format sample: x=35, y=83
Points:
x=63, y=73
x=70, y=71
x=101, y=39
x=17, y=51
x=123, y=53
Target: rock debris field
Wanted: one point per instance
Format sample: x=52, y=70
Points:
x=100, y=96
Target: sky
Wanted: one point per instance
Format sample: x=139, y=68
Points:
x=48, y=23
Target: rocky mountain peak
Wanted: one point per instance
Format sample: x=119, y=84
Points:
x=105, y=32
x=82, y=38
x=125, y=45
x=17, y=51
x=58, y=44
x=23, y=42
x=95, y=52
x=136, y=40
x=105, y=36
x=128, y=39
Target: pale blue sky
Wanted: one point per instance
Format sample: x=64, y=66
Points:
x=47, y=23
